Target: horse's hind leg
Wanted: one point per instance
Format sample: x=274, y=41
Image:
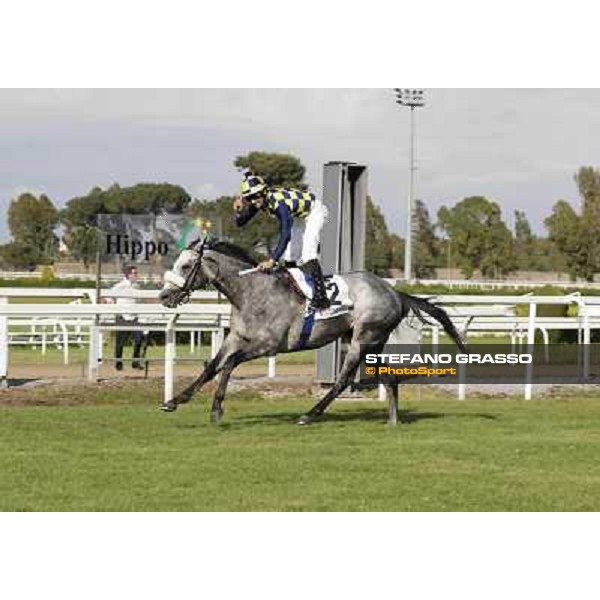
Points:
x=347, y=374
x=344, y=378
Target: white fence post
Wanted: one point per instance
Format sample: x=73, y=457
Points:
x=170, y=350
x=272, y=366
x=214, y=343
x=462, y=381
x=65, y=337
x=3, y=347
x=586, y=341
x=435, y=338
x=93, y=354
x=530, y=349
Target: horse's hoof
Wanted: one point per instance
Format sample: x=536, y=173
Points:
x=168, y=406
x=215, y=416
x=305, y=420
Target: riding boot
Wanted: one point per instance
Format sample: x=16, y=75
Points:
x=319, y=299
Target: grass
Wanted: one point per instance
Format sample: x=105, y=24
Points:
x=116, y=452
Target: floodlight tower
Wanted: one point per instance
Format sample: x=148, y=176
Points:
x=413, y=99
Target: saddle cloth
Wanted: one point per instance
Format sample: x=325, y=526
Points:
x=337, y=292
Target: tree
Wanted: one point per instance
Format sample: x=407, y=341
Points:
x=564, y=228
x=31, y=220
x=523, y=235
x=534, y=253
x=396, y=252
x=277, y=169
x=480, y=238
x=524, y=241
x=18, y=256
x=426, y=244
x=384, y=250
x=588, y=185
x=83, y=243
x=588, y=255
x=140, y=199
x=377, y=255
x=146, y=198
x=577, y=236
x=498, y=258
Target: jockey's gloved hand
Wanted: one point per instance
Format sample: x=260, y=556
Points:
x=267, y=265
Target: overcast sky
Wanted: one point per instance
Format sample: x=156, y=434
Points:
x=517, y=147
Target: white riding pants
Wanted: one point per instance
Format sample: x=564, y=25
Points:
x=306, y=234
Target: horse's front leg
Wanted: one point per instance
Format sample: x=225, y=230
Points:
x=216, y=411
x=347, y=373
x=237, y=358
x=228, y=349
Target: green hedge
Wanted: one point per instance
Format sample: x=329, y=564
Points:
x=548, y=290
x=36, y=282
x=31, y=282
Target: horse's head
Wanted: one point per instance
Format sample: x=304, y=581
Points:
x=186, y=275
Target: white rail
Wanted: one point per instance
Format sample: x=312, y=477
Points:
x=474, y=313
x=588, y=316
x=155, y=317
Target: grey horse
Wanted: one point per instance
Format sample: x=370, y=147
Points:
x=267, y=317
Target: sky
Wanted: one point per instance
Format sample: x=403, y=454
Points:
x=518, y=147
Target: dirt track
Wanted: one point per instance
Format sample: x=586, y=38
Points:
x=187, y=369
x=53, y=385
x=56, y=384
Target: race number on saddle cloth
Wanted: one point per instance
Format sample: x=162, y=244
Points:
x=337, y=293
x=301, y=218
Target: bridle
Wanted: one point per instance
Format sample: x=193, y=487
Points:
x=184, y=285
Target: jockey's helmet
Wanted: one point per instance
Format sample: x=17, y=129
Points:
x=252, y=185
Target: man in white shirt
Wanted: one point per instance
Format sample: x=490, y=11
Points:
x=129, y=282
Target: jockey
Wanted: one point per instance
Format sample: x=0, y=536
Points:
x=301, y=217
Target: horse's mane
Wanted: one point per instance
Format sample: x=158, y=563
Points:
x=229, y=249
x=234, y=251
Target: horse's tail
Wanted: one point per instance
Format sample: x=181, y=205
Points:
x=421, y=305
